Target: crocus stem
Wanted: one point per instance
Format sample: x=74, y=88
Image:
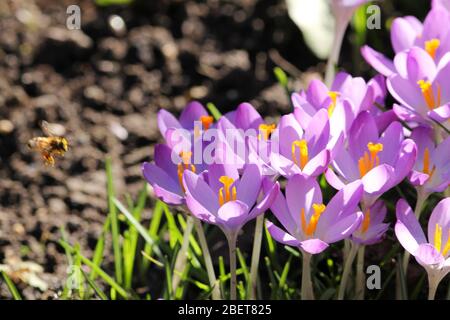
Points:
x=208, y=261
x=255, y=255
x=231, y=237
x=433, y=283
x=334, y=55
x=347, y=269
x=180, y=261
x=360, y=275
x=421, y=198
x=307, y=289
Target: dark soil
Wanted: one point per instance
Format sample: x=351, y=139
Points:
x=105, y=87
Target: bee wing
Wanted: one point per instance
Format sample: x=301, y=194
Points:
x=45, y=126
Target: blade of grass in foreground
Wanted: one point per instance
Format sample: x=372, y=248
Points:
x=114, y=223
x=139, y=228
x=11, y=287
x=102, y=274
x=213, y=110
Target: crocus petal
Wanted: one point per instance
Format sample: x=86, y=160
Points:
x=407, y=114
x=280, y=209
x=318, y=164
x=232, y=215
x=317, y=133
x=249, y=185
x=440, y=216
x=290, y=131
x=378, y=180
x=216, y=171
x=343, y=203
x=333, y=179
x=418, y=178
x=163, y=185
x=384, y=119
x=342, y=228
x=199, y=190
x=378, y=61
x=266, y=201
x=247, y=117
x=363, y=131
x=391, y=139
x=313, y=246
x=191, y=113
x=402, y=35
x=406, y=92
x=426, y=255
x=316, y=93
x=420, y=65
x=440, y=114
x=281, y=236
x=406, y=160
x=302, y=193
x=167, y=120
x=163, y=159
x=407, y=228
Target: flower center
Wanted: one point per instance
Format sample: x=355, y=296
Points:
x=438, y=240
x=225, y=194
x=370, y=159
x=366, y=221
x=184, y=165
x=266, y=130
x=431, y=46
x=426, y=163
x=206, y=121
x=302, y=160
x=430, y=98
x=310, y=227
x=333, y=95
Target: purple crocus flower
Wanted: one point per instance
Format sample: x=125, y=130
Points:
x=165, y=175
x=372, y=229
x=226, y=198
x=431, y=172
x=407, y=32
x=310, y=225
x=380, y=161
x=421, y=87
x=192, y=113
x=433, y=254
x=347, y=97
x=301, y=151
x=445, y=4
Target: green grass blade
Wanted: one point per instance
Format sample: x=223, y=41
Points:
x=102, y=274
x=11, y=287
x=213, y=110
x=139, y=228
x=114, y=223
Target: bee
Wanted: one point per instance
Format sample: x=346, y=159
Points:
x=49, y=146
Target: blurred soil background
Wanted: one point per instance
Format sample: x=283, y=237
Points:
x=104, y=85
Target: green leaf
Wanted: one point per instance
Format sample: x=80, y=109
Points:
x=213, y=110
x=114, y=223
x=281, y=76
x=11, y=287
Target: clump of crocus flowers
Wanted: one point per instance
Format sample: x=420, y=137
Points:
x=226, y=171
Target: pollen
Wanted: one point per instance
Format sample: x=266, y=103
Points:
x=266, y=130
x=432, y=100
x=333, y=95
x=370, y=159
x=431, y=47
x=310, y=227
x=206, y=121
x=302, y=160
x=227, y=192
x=184, y=165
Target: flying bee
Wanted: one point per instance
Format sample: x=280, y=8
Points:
x=50, y=146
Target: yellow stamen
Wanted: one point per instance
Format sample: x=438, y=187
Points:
x=447, y=245
x=426, y=163
x=428, y=94
x=310, y=228
x=184, y=165
x=431, y=46
x=303, y=147
x=366, y=162
x=206, y=121
x=438, y=237
x=225, y=194
x=266, y=130
x=366, y=222
x=333, y=95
